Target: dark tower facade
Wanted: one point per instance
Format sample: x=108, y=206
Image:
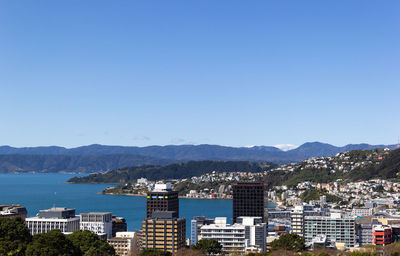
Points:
x=250, y=199
x=162, y=198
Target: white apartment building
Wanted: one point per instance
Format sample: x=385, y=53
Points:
x=297, y=220
x=60, y=218
x=99, y=223
x=255, y=233
x=231, y=237
x=196, y=224
x=338, y=228
x=124, y=243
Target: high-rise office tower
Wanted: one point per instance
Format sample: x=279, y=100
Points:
x=118, y=225
x=162, y=198
x=250, y=199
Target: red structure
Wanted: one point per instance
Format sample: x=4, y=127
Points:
x=382, y=235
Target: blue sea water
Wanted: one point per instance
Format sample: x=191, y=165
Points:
x=42, y=191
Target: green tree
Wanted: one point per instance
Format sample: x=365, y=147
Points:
x=89, y=244
x=154, y=252
x=53, y=243
x=208, y=246
x=14, y=236
x=289, y=242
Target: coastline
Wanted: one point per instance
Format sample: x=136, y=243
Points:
x=182, y=197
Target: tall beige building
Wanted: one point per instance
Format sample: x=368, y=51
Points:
x=163, y=231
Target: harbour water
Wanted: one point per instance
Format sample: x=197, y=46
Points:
x=42, y=191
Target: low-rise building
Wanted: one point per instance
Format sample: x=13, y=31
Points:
x=361, y=212
x=99, y=223
x=231, y=237
x=382, y=235
x=61, y=218
x=12, y=211
x=124, y=243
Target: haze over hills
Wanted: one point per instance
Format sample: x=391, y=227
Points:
x=97, y=158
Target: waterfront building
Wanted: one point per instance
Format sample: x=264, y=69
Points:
x=338, y=228
x=231, y=237
x=61, y=218
x=163, y=231
x=382, y=235
x=255, y=233
x=124, y=243
x=162, y=198
x=99, y=223
x=118, y=225
x=250, y=199
x=12, y=211
x=196, y=224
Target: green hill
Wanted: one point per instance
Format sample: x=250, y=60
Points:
x=349, y=166
x=172, y=171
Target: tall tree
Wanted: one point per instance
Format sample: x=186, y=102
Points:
x=53, y=243
x=289, y=242
x=14, y=236
x=90, y=244
x=208, y=246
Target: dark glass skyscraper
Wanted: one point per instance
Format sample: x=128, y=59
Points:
x=250, y=199
x=162, y=198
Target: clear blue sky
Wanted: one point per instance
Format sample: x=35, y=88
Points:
x=218, y=72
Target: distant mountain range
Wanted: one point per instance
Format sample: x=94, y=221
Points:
x=353, y=165
x=99, y=158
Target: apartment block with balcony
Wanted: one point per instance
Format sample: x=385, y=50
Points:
x=231, y=237
x=338, y=228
